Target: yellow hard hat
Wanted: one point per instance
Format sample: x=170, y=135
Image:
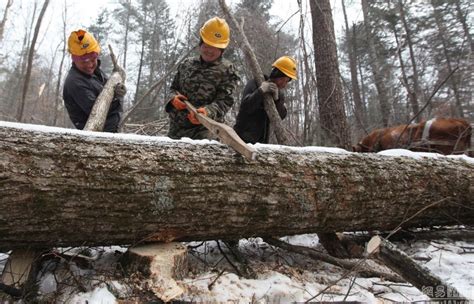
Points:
x=216, y=33
x=287, y=65
x=81, y=42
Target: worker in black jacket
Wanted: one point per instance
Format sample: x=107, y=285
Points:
x=252, y=121
x=86, y=80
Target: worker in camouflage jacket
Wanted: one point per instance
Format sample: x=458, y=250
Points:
x=207, y=82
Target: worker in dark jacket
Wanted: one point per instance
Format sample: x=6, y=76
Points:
x=86, y=80
x=252, y=120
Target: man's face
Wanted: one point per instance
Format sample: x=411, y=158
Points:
x=209, y=53
x=87, y=66
x=281, y=82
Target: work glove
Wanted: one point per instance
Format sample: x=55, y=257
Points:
x=177, y=102
x=120, y=90
x=270, y=88
x=192, y=117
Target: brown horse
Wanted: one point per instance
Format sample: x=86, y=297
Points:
x=441, y=135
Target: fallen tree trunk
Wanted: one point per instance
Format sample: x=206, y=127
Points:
x=361, y=268
x=61, y=187
x=419, y=276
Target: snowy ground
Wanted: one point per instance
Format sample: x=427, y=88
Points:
x=282, y=277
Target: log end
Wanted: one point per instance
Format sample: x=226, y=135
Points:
x=161, y=263
x=373, y=246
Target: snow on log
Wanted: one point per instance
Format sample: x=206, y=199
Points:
x=64, y=187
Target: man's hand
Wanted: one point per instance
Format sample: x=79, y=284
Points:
x=269, y=87
x=120, y=90
x=192, y=117
x=178, y=103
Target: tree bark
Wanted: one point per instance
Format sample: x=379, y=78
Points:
x=65, y=187
x=331, y=102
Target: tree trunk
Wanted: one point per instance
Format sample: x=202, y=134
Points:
x=376, y=64
x=57, y=94
x=462, y=18
x=359, y=110
x=364, y=270
x=65, y=187
x=331, y=103
x=307, y=79
x=142, y=56
x=411, y=94
x=125, y=38
x=442, y=31
x=416, y=90
x=29, y=66
x=4, y=19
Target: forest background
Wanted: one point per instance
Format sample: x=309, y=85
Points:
x=361, y=64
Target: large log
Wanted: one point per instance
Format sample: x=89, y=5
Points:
x=63, y=187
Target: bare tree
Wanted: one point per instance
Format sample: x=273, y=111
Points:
x=331, y=104
x=4, y=19
x=403, y=69
x=442, y=31
x=359, y=110
x=57, y=96
x=308, y=82
x=376, y=66
x=415, y=92
x=462, y=19
x=30, y=60
x=128, y=7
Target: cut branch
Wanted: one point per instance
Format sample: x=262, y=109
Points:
x=101, y=106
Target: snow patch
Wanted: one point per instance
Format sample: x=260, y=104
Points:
x=100, y=295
